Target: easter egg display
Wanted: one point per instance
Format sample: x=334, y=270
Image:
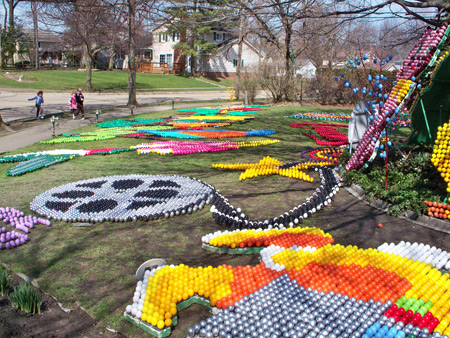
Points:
x=441, y=153
x=44, y=159
x=438, y=210
x=322, y=154
x=422, y=56
x=226, y=214
x=206, y=134
x=321, y=116
x=437, y=257
x=123, y=198
x=271, y=166
x=253, y=241
x=22, y=224
x=192, y=147
x=147, y=197
x=327, y=291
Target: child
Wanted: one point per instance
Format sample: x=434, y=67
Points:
x=73, y=104
x=39, y=102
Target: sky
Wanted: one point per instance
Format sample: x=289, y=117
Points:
x=23, y=10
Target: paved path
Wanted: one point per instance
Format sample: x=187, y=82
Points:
x=14, y=105
x=43, y=129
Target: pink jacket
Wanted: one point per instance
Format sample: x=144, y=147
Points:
x=73, y=102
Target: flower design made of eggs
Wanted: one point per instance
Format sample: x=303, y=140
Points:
x=322, y=154
x=327, y=291
x=441, y=153
x=422, y=54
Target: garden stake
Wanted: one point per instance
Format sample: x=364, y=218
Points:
x=97, y=112
x=53, y=120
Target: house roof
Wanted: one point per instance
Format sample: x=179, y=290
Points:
x=44, y=36
x=231, y=42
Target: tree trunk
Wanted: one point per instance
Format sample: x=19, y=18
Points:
x=3, y=125
x=10, y=59
x=132, y=101
x=112, y=53
x=11, y=14
x=88, y=58
x=36, y=34
x=5, y=22
x=239, y=56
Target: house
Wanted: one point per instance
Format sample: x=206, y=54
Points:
x=50, y=48
x=164, y=58
x=305, y=68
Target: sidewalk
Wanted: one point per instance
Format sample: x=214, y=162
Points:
x=15, y=105
x=43, y=131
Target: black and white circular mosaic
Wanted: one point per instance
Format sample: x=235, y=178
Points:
x=124, y=198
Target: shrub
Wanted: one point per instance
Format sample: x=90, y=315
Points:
x=410, y=181
x=5, y=282
x=24, y=297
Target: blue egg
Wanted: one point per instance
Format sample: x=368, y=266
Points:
x=413, y=78
x=383, y=63
x=374, y=60
x=369, y=77
x=336, y=78
x=351, y=62
x=365, y=57
x=342, y=75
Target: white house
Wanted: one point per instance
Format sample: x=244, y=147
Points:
x=220, y=64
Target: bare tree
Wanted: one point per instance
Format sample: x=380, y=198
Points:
x=87, y=24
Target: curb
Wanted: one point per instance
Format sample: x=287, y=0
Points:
x=422, y=220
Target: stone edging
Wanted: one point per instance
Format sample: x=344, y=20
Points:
x=422, y=220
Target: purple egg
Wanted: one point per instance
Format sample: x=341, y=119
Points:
x=17, y=241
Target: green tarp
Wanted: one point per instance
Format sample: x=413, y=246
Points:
x=434, y=103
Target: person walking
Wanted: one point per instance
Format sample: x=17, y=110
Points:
x=80, y=102
x=39, y=103
x=73, y=104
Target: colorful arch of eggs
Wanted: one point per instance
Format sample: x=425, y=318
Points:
x=423, y=54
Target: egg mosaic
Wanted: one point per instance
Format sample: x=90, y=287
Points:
x=312, y=291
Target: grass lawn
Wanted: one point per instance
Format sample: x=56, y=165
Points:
x=101, y=80
x=95, y=265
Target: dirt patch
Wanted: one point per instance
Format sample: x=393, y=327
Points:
x=51, y=322
x=17, y=77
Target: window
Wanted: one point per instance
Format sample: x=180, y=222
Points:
x=163, y=37
x=219, y=36
x=169, y=58
x=223, y=36
x=148, y=54
x=235, y=62
x=176, y=36
x=215, y=36
x=162, y=58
